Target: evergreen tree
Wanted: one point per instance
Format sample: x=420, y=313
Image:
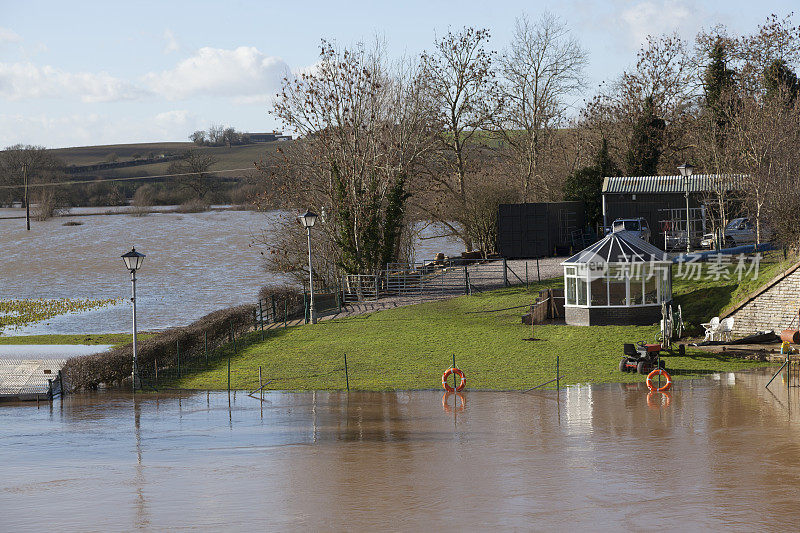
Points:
x=585, y=184
x=719, y=81
x=646, y=142
x=779, y=76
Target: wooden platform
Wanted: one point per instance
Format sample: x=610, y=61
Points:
x=28, y=379
x=759, y=352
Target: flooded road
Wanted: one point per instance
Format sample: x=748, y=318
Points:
x=715, y=454
x=196, y=263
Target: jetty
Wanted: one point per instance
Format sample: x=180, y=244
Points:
x=30, y=379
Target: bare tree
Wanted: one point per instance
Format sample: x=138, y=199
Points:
x=363, y=133
x=663, y=83
x=34, y=166
x=542, y=71
x=195, y=167
x=464, y=96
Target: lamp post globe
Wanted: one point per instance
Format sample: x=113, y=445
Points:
x=686, y=170
x=133, y=262
x=307, y=220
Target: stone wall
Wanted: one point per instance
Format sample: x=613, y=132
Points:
x=775, y=307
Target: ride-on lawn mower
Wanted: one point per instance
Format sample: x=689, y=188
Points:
x=641, y=358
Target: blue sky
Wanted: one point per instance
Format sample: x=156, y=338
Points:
x=79, y=73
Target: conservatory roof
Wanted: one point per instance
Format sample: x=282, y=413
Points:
x=619, y=247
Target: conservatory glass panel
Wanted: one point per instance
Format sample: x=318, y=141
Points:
x=617, y=291
x=636, y=291
x=582, y=292
x=599, y=292
x=651, y=290
x=572, y=286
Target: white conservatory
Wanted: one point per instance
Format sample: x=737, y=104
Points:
x=620, y=279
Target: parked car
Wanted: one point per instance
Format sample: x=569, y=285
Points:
x=738, y=232
x=637, y=226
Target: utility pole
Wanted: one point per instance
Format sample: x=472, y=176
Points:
x=27, y=204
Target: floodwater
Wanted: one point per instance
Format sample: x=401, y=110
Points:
x=717, y=453
x=196, y=263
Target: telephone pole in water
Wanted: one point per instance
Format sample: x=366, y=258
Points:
x=27, y=204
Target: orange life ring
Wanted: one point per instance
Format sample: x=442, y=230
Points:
x=665, y=386
x=457, y=372
x=446, y=404
x=666, y=399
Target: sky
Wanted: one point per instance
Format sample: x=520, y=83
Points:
x=91, y=73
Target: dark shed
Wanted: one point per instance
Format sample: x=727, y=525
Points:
x=540, y=229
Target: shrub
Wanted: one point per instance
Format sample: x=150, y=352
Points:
x=115, y=366
x=196, y=205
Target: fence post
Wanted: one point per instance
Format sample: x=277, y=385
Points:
x=205, y=342
x=466, y=280
x=305, y=306
x=505, y=272
x=229, y=372
x=178, y=353
x=259, y=382
x=346, y=373
x=233, y=337
x=261, y=314
x=538, y=274
x=558, y=377
x=527, y=287
x=339, y=298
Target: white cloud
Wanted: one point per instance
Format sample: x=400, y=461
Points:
x=9, y=36
x=171, y=42
x=655, y=17
x=244, y=73
x=85, y=129
x=20, y=81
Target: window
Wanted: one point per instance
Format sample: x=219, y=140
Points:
x=599, y=291
x=582, y=292
x=636, y=291
x=651, y=289
x=572, y=286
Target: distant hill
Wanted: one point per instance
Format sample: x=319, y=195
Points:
x=241, y=156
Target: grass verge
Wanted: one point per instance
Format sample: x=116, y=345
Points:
x=410, y=347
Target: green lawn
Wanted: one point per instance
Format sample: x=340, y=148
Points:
x=409, y=347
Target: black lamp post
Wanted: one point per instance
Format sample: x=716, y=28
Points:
x=308, y=219
x=686, y=171
x=133, y=262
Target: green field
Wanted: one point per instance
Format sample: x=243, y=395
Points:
x=235, y=157
x=409, y=347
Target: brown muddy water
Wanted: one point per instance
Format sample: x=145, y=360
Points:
x=196, y=263
x=718, y=453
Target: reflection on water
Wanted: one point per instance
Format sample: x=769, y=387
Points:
x=719, y=454
x=196, y=263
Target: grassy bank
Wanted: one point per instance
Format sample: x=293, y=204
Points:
x=107, y=338
x=711, y=290
x=409, y=347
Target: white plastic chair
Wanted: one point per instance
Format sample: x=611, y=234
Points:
x=711, y=328
x=725, y=329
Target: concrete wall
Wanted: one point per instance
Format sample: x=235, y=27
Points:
x=775, y=308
